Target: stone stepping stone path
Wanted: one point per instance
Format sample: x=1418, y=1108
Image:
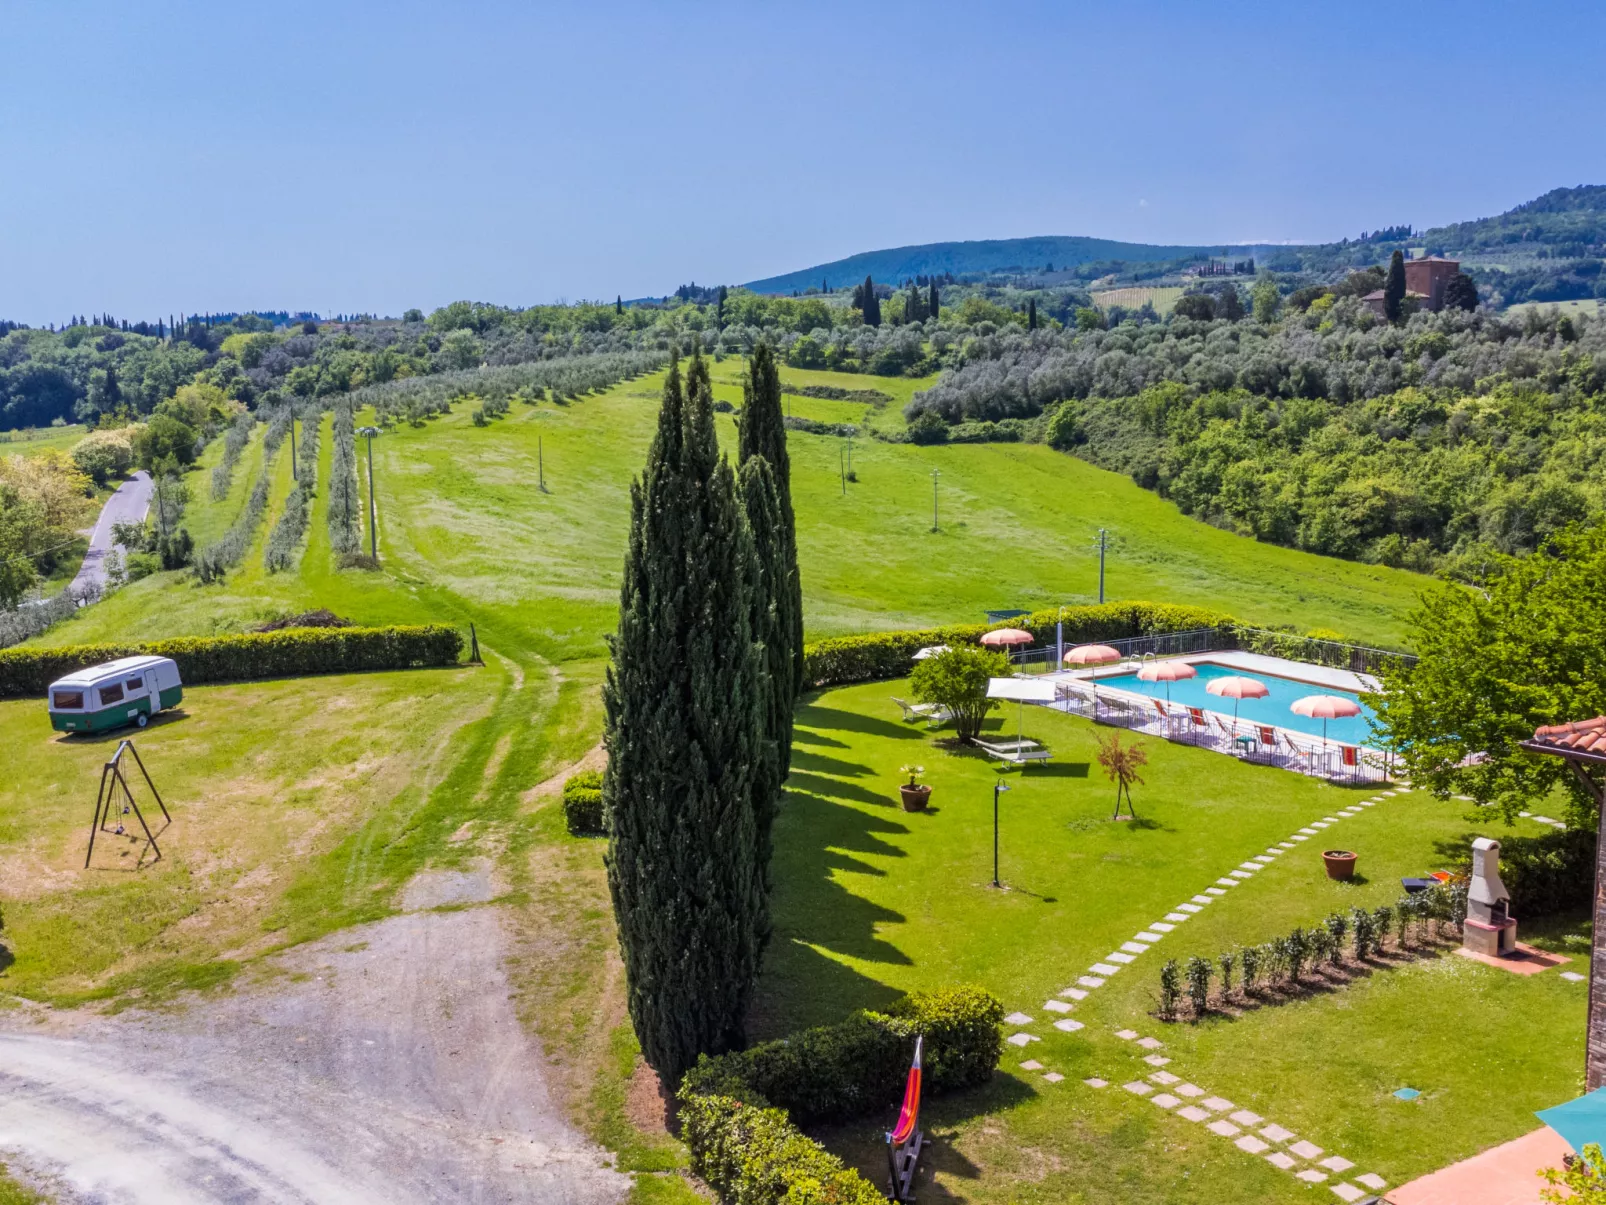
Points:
x=1234, y=1125
x=1307, y=1161
x=1572, y=976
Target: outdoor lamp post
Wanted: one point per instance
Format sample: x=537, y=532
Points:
x=934, y=474
x=373, y=535
x=998, y=786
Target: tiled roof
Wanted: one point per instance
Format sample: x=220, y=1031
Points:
x=1585, y=736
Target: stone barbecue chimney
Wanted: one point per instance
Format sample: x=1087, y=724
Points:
x=1490, y=928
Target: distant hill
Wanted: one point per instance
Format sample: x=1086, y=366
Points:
x=984, y=255
x=1550, y=248
x=1564, y=218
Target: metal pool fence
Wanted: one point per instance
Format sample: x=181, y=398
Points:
x=1357, y=658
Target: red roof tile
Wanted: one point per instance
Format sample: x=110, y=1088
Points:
x=1585, y=736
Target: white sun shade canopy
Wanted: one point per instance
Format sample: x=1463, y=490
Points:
x=1021, y=690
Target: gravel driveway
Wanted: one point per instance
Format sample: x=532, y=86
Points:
x=386, y=1066
x=128, y=505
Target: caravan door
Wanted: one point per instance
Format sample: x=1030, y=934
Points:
x=153, y=690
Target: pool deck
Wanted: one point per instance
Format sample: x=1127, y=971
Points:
x=1253, y=663
x=1292, y=750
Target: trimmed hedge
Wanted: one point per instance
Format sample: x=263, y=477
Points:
x=289, y=653
x=753, y=1154
x=839, y=1071
x=842, y=660
x=582, y=803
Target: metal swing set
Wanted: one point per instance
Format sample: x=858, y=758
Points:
x=110, y=810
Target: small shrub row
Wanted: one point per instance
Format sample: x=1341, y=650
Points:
x=813, y=426
x=234, y=441
x=841, y=660
x=740, y=1112
x=582, y=803
x=874, y=396
x=1283, y=961
x=35, y=618
x=345, y=498
x=217, y=558
x=290, y=653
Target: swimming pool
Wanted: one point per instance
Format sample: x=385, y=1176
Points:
x=1273, y=709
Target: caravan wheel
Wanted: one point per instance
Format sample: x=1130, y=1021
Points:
x=141, y=720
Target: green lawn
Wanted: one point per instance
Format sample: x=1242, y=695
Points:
x=460, y=512
x=872, y=901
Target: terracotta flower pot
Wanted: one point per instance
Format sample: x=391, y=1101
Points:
x=1340, y=863
x=914, y=797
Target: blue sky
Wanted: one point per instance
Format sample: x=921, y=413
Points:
x=162, y=157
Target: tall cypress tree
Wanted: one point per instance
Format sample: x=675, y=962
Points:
x=931, y=306
x=1031, y=314
x=684, y=731
x=1394, y=288
x=762, y=432
x=771, y=625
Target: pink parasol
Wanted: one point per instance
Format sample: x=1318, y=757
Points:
x=1237, y=689
x=1324, y=708
x=1167, y=672
x=1092, y=654
x=1006, y=636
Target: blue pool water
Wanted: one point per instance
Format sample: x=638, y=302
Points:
x=1273, y=709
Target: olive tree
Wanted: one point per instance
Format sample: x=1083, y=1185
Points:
x=957, y=680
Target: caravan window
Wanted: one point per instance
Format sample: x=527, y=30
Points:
x=135, y=685
x=111, y=694
x=69, y=700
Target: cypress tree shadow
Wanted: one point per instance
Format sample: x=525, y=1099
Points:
x=819, y=763
x=832, y=719
x=830, y=788
x=802, y=736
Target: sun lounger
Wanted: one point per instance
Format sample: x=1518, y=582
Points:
x=932, y=713
x=1016, y=753
x=1197, y=721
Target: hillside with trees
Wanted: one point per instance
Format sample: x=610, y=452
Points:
x=1431, y=443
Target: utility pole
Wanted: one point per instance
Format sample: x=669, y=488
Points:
x=1103, y=541
x=842, y=468
x=540, y=464
x=373, y=533
x=934, y=474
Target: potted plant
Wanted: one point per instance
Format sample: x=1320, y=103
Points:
x=914, y=793
x=1340, y=863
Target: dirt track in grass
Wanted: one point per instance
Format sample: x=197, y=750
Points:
x=381, y=1064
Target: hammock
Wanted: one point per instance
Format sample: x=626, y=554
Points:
x=904, y=1140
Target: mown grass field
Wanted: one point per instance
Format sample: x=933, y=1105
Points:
x=1017, y=525
x=873, y=901
x=41, y=439
x=280, y=839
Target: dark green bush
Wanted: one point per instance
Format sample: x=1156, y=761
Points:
x=753, y=1154
x=834, y=1072
x=845, y=659
x=582, y=803
x=289, y=653
x=1551, y=873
